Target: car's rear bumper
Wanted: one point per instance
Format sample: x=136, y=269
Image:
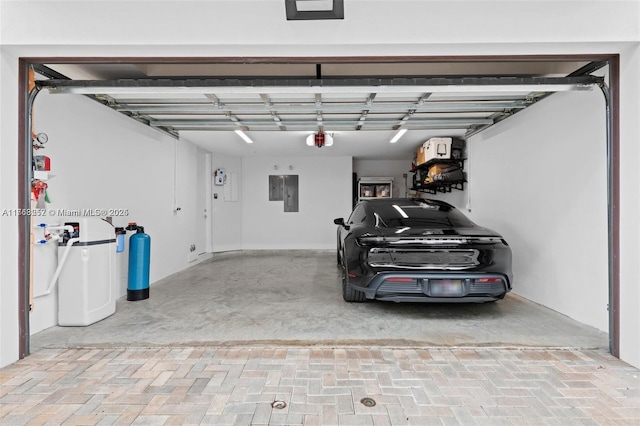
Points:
x=436, y=287
x=468, y=299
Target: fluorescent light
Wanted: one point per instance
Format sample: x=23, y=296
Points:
x=398, y=135
x=244, y=136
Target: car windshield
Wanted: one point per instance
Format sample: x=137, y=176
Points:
x=420, y=214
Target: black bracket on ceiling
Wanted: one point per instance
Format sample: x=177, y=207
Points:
x=48, y=72
x=590, y=68
x=293, y=14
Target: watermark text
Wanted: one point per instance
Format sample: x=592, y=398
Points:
x=65, y=212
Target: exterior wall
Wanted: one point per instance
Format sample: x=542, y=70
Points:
x=370, y=28
x=9, y=312
x=630, y=205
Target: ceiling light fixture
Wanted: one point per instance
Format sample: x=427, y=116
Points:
x=244, y=136
x=398, y=135
x=319, y=139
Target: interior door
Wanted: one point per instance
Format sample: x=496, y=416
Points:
x=202, y=210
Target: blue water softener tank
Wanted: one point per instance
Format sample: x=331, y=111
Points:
x=139, y=260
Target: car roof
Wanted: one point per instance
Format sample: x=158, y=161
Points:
x=405, y=201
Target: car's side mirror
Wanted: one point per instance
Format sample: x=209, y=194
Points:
x=340, y=221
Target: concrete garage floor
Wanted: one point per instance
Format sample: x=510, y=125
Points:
x=294, y=298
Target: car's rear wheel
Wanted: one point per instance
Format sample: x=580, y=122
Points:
x=348, y=293
x=499, y=298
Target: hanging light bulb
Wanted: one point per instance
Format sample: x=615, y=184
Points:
x=311, y=139
x=328, y=139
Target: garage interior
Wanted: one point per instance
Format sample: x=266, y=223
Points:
x=190, y=112
x=143, y=102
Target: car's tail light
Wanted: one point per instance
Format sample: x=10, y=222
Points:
x=488, y=280
x=370, y=241
x=399, y=283
x=400, y=280
x=428, y=240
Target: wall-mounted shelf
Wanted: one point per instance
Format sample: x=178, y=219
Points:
x=375, y=187
x=452, y=176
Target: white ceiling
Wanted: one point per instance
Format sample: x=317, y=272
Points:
x=363, y=145
x=279, y=104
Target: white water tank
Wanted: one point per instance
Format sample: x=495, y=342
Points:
x=87, y=283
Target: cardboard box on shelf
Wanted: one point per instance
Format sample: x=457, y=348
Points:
x=420, y=156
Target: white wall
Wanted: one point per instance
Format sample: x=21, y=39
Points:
x=368, y=25
x=170, y=29
x=323, y=196
x=539, y=178
x=9, y=332
x=102, y=160
x=630, y=205
x=255, y=223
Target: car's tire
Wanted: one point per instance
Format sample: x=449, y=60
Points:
x=348, y=293
x=495, y=300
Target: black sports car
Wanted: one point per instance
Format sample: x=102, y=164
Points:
x=418, y=250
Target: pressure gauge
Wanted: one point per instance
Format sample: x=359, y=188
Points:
x=42, y=138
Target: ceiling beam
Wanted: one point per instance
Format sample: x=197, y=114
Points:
x=274, y=114
x=411, y=111
x=422, y=123
x=311, y=108
x=365, y=111
x=324, y=86
x=228, y=114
